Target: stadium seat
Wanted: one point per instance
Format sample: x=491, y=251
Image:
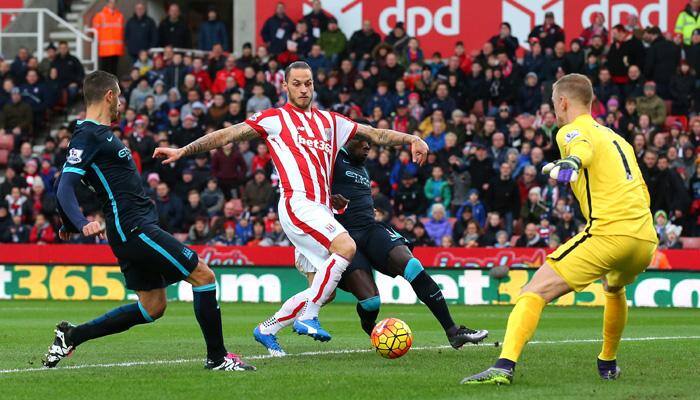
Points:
x=691, y=242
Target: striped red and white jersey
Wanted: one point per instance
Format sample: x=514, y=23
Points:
x=303, y=146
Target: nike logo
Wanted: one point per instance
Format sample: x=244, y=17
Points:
x=110, y=138
x=435, y=294
x=346, y=161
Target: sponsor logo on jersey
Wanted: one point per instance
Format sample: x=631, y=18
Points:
x=315, y=144
x=362, y=180
x=74, y=156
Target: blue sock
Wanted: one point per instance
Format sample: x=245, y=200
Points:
x=208, y=314
x=429, y=293
x=368, y=309
x=117, y=320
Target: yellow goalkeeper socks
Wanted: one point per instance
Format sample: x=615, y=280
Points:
x=614, y=320
x=522, y=324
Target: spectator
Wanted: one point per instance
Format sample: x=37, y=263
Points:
x=42, y=232
x=257, y=194
x=229, y=168
x=213, y=31
x=530, y=95
x=505, y=41
x=503, y=196
x=531, y=238
x=464, y=217
x=605, y=88
x=597, y=28
x=361, y=44
x=175, y=72
x=688, y=21
x=139, y=94
x=420, y=236
x=533, y=209
x=317, y=60
x=140, y=32
x=317, y=20
x=228, y=237
x=303, y=39
x=244, y=229
x=16, y=117
x=409, y=199
x=199, y=233
x=438, y=226
x=651, y=104
x=437, y=190
x=662, y=60
x=213, y=197
x=259, y=101
x=277, y=30
x=673, y=236
x=683, y=89
x=276, y=237
x=567, y=226
x=19, y=67
x=169, y=208
x=548, y=33
x=109, y=24
x=17, y=233
x=333, y=41
x=258, y=234
x=230, y=70
x=502, y=240
x=173, y=31
x=397, y=38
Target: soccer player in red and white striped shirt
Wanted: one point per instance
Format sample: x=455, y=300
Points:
x=304, y=142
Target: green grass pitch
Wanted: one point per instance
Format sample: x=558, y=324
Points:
x=164, y=360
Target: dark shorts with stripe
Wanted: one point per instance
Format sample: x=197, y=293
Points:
x=151, y=258
x=373, y=246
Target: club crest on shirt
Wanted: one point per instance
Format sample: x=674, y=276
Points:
x=330, y=228
x=571, y=135
x=74, y=156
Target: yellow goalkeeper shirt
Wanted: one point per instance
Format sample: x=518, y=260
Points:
x=610, y=188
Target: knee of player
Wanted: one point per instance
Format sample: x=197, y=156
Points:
x=153, y=310
x=412, y=269
x=202, y=275
x=344, y=246
x=371, y=304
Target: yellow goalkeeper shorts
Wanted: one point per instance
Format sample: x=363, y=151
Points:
x=584, y=258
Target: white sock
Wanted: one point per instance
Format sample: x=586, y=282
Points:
x=324, y=284
x=286, y=314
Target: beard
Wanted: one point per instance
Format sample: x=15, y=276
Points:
x=114, y=112
x=301, y=103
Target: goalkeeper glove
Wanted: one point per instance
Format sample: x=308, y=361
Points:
x=564, y=170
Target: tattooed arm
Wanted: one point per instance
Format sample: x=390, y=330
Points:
x=213, y=140
x=388, y=137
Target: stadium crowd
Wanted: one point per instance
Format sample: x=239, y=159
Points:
x=485, y=114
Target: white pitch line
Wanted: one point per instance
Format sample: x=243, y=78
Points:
x=329, y=352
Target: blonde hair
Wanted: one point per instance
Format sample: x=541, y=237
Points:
x=576, y=87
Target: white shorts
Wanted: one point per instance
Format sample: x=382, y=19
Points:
x=311, y=227
x=302, y=264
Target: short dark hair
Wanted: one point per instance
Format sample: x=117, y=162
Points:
x=96, y=84
x=295, y=65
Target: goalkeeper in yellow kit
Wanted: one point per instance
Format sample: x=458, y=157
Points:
x=616, y=245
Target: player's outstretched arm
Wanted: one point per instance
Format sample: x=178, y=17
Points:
x=213, y=140
x=70, y=209
x=388, y=137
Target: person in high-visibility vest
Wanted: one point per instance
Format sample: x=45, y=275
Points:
x=688, y=21
x=109, y=24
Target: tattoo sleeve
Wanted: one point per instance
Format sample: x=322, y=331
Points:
x=384, y=137
x=213, y=140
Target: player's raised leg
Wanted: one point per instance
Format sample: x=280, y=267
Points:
x=323, y=286
x=402, y=263
x=545, y=286
x=208, y=313
x=151, y=306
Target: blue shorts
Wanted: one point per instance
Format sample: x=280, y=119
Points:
x=373, y=246
x=151, y=258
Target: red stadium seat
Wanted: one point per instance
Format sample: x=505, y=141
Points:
x=691, y=242
x=671, y=119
